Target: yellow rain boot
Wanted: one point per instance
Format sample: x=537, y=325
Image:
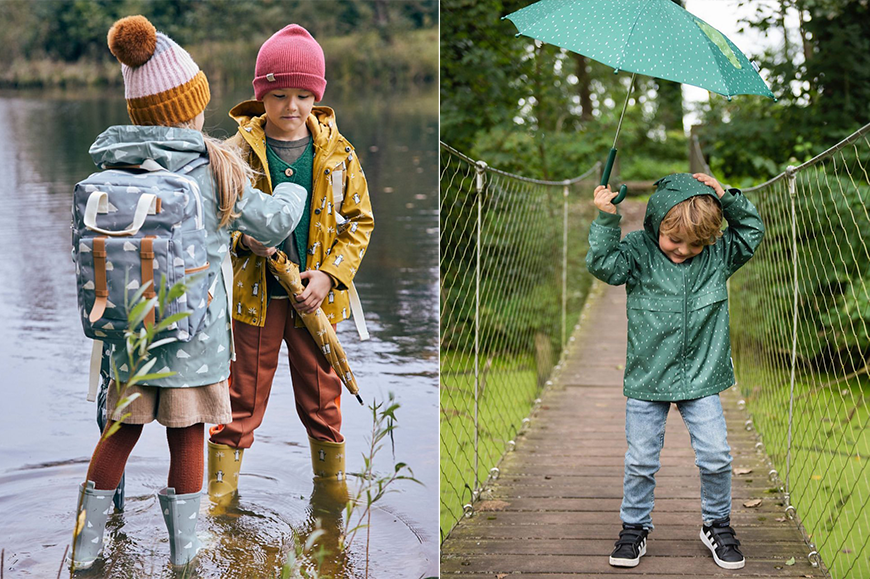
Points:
x=224, y=464
x=327, y=460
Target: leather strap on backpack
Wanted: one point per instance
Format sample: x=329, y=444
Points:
x=146, y=255
x=101, y=290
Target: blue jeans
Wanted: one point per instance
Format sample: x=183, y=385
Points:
x=645, y=433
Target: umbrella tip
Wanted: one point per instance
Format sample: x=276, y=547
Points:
x=358, y=397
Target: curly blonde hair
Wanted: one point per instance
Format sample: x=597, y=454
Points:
x=698, y=217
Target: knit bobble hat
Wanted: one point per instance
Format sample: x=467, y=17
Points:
x=162, y=83
x=291, y=58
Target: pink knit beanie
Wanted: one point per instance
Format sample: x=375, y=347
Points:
x=291, y=58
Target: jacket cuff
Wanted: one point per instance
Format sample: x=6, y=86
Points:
x=730, y=197
x=606, y=219
x=337, y=283
x=237, y=246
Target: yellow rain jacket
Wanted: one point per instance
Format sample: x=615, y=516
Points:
x=339, y=188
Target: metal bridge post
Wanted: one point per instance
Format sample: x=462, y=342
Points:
x=564, y=264
x=791, y=176
x=480, y=168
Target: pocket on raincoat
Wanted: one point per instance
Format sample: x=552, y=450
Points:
x=708, y=344
x=655, y=340
x=707, y=299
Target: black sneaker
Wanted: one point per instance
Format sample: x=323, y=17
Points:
x=630, y=546
x=720, y=539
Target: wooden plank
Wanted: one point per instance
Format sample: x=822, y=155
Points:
x=698, y=565
x=602, y=505
x=610, y=531
x=663, y=548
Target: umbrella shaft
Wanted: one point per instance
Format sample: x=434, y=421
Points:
x=624, y=106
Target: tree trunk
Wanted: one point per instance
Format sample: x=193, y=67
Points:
x=540, y=107
x=670, y=99
x=583, y=88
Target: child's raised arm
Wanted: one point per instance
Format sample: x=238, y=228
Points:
x=608, y=258
x=745, y=229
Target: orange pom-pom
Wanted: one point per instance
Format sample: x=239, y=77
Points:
x=132, y=40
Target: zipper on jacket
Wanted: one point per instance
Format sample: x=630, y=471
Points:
x=685, y=325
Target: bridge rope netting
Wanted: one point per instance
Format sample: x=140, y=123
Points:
x=800, y=326
x=800, y=313
x=513, y=281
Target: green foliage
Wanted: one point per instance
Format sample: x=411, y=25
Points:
x=482, y=66
x=833, y=273
x=823, y=87
x=63, y=42
x=372, y=485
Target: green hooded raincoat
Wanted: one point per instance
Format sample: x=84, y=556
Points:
x=678, y=335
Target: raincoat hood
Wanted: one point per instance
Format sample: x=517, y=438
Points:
x=171, y=147
x=324, y=130
x=670, y=191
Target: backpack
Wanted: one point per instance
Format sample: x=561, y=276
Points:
x=132, y=225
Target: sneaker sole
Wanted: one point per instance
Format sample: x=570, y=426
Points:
x=720, y=562
x=629, y=562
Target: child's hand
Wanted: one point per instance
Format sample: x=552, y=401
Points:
x=603, y=198
x=318, y=286
x=256, y=247
x=710, y=182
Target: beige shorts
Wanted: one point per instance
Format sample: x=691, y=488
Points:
x=174, y=407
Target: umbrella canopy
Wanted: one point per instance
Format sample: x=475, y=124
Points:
x=651, y=37
x=287, y=274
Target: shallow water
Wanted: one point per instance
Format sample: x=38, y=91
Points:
x=49, y=430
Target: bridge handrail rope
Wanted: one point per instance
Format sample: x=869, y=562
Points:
x=505, y=310
x=573, y=181
x=800, y=315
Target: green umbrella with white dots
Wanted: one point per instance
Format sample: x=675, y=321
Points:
x=651, y=37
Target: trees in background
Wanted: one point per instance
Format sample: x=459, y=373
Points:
x=545, y=112
x=821, y=75
x=72, y=29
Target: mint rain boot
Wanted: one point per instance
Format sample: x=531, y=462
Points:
x=180, y=513
x=97, y=506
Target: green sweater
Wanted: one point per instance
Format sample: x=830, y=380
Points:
x=300, y=172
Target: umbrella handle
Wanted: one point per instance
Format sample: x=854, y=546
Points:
x=605, y=177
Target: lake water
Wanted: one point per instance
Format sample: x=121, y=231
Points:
x=48, y=429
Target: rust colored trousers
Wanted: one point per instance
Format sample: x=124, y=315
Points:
x=316, y=386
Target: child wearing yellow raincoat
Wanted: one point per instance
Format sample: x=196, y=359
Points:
x=287, y=139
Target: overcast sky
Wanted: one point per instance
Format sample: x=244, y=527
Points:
x=724, y=15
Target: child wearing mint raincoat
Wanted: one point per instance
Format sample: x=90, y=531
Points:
x=166, y=95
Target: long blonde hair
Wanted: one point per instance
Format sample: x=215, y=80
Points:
x=229, y=173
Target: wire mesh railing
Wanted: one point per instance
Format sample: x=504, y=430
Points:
x=513, y=281
x=800, y=313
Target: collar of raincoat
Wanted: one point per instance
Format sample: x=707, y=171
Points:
x=671, y=190
x=171, y=147
x=321, y=122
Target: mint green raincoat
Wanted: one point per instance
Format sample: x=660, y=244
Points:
x=678, y=335
x=206, y=358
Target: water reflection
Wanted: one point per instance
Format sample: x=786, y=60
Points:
x=43, y=353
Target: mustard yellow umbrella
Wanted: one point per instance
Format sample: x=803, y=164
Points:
x=287, y=274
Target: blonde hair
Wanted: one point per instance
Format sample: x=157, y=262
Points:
x=698, y=217
x=229, y=172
